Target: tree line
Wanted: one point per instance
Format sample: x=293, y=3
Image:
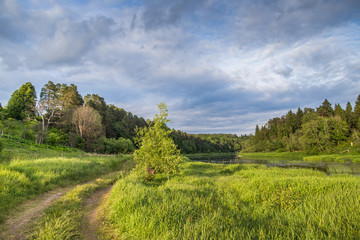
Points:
x=61, y=116
x=325, y=129
x=204, y=143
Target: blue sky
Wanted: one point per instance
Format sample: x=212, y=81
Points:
x=221, y=66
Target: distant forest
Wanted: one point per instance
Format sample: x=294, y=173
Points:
x=61, y=117
x=325, y=129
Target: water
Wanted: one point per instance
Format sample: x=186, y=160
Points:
x=329, y=168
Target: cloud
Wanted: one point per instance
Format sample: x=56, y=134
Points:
x=159, y=13
x=71, y=40
x=264, y=22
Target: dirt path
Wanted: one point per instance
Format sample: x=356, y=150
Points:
x=17, y=226
x=91, y=220
x=23, y=218
x=92, y=217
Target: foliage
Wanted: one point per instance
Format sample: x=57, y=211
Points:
x=57, y=137
x=205, y=143
x=50, y=120
x=314, y=132
x=212, y=201
x=21, y=105
x=116, y=146
x=87, y=122
x=157, y=152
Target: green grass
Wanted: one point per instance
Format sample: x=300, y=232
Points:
x=273, y=155
x=62, y=220
x=210, y=155
x=28, y=171
x=213, y=201
x=342, y=158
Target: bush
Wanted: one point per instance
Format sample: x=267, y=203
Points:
x=1, y=146
x=56, y=137
x=121, y=145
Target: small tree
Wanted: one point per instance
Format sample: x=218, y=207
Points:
x=157, y=152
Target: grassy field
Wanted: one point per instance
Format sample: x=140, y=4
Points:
x=213, y=201
x=28, y=170
x=344, y=157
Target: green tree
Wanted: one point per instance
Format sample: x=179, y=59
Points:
x=157, y=152
x=315, y=136
x=98, y=103
x=357, y=111
x=21, y=105
x=349, y=115
x=339, y=112
x=325, y=110
x=70, y=97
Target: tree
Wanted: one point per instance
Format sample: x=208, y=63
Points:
x=157, y=152
x=49, y=105
x=98, y=103
x=87, y=122
x=325, y=110
x=69, y=97
x=339, y=112
x=349, y=115
x=21, y=105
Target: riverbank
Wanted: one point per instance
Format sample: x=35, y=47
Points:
x=341, y=158
x=199, y=156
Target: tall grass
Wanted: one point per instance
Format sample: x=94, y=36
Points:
x=22, y=178
x=208, y=201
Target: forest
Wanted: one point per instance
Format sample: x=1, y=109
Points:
x=325, y=129
x=62, y=118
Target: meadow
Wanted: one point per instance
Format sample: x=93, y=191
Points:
x=214, y=201
x=27, y=170
x=339, y=157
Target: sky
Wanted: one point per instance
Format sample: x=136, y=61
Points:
x=221, y=66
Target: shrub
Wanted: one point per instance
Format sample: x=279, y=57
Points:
x=120, y=145
x=57, y=136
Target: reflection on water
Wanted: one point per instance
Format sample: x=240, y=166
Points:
x=327, y=167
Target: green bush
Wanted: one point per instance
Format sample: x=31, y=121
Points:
x=121, y=145
x=56, y=136
x=1, y=146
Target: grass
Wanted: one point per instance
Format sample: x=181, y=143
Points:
x=27, y=171
x=210, y=155
x=213, y=201
x=62, y=220
x=273, y=155
x=341, y=158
